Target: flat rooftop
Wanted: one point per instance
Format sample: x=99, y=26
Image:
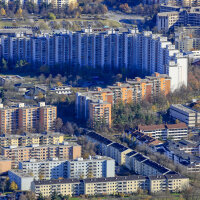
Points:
x=183, y=108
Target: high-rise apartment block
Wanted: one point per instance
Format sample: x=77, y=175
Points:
x=27, y=139
x=95, y=106
x=27, y=118
x=42, y=152
x=144, y=52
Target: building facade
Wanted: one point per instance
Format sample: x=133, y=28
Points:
x=42, y=152
x=185, y=114
x=95, y=106
x=27, y=118
x=111, y=186
x=28, y=139
x=144, y=51
x=23, y=180
x=94, y=167
x=169, y=131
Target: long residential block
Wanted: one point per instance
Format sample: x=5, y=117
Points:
x=165, y=131
x=44, y=152
x=27, y=139
x=185, y=114
x=110, y=186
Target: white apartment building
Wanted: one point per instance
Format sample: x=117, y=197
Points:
x=94, y=167
x=144, y=52
x=45, y=170
x=185, y=114
x=169, y=131
x=170, y=17
x=23, y=180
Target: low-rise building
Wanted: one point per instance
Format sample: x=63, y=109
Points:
x=178, y=155
x=7, y=79
x=118, y=152
x=142, y=165
x=185, y=114
x=165, y=131
x=23, y=180
x=109, y=186
x=94, y=167
x=61, y=90
x=109, y=148
x=141, y=138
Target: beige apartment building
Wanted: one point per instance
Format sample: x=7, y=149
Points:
x=27, y=118
x=28, y=139
x=5, y=164
x=44, y=152
x=110, y=186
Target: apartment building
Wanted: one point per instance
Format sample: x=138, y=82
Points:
x=5, y=164
x=109, y=186
x=183, y=17
x=42, y=152
x=133, y=160
x=142, y=165
x=171, y=182
x=44, y=169
x=144, y=51
x=94, y=167
x=165, y=131
x=23, y=180
x=179, y=155
x=27, y=139
x=7, y=79
x=27, y=118
x=141, y=138
x=109, y=148
x=99, y=112
x=185, y=114
x=56, y=3
x=95, y=106
x=99, y=140
x=118, y=152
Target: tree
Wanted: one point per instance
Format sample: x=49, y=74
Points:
x=51, y=16
x=13, y=186
x=3, y=12
x=41, y=176
x=58, y=124
x=19, y=12
x=59, y=83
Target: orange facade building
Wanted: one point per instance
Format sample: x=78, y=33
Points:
x=27, y=118
x=96, y=105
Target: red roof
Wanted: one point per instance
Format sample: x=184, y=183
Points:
x=176, y=126
x=151, y=127
x=162, y=126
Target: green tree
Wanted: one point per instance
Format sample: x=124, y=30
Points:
x=13, y=186
x=51, y=16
